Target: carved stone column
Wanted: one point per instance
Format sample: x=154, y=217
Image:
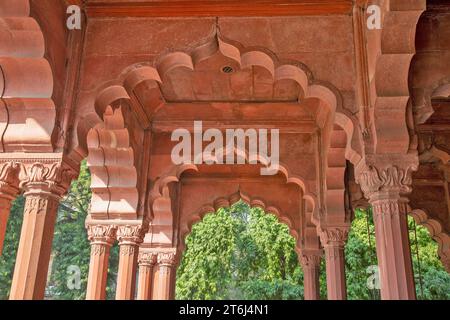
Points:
x=386, y=189
x=333, y=240
x=310, y=262
x=8, y=192
x=43, y=184
x=129, y=237
x=164, y=282
x=102, y=237
x=146, y=261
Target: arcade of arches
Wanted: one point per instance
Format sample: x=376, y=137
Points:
x=363, y=119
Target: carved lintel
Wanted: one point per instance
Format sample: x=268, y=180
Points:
x=334, y=236
x=101, y=234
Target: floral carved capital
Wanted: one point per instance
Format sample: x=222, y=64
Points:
x=166, y=259
x=147, y=259
x=130, y=234
x=334, y=236
x=9, y=178
x=101, y=234
x=310, y=260
x=53, y=177
x=389, y=179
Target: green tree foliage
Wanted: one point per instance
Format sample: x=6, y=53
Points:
x=239, y=253
x=10, y=247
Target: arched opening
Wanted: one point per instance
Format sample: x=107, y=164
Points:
x=239, y=252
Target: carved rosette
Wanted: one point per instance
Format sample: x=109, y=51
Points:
x=310, y=260
x=334, y=236
x=166, y=259
x=148, y=259
x=101, y=235
x=130, y=234
x=54, y=177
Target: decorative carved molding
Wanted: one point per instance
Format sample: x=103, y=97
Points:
x=127, y=249
x=334, y=236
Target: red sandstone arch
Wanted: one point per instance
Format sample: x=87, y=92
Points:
x=26, y=82
x=113, y=174
x=143, y=85
x=437, y=232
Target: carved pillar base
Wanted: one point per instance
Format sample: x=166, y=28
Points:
x=393, y=247
x=333, y=241
x=33, y=255
x=311, y=273
x=102, y=238
x=146, y=261
x=164, y=282
x=129, y=238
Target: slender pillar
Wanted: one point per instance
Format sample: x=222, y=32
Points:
x=310, y=262
x=393, y=247
x=333, y=240
x=44, y=185
x=146, y=261
x=386, y=189
x=102, y=237
x=164, y=283
x=8, y=192
x=129, y=238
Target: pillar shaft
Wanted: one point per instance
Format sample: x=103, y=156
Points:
x=5, y=207
x=33, y=255
x=333, y=241
x=393, y=248
x=311, y=274
x=164, y=281
x=146, y=263
x=102, y=238
x=129, y=238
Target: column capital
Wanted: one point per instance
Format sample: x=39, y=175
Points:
x=52, y=177
x=311, y=259
x=130, y=234
x=386, y=177
x=9, y=179
x=334, y=236
x=166, y=259
x=147, y=259
x=101, y=234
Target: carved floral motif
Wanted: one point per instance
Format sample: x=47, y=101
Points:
x=310, y=260
x=166, y=259
x=391, y=178
x=130, y=234
x=101, y=234
x=147, y=258
x=334, y=237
